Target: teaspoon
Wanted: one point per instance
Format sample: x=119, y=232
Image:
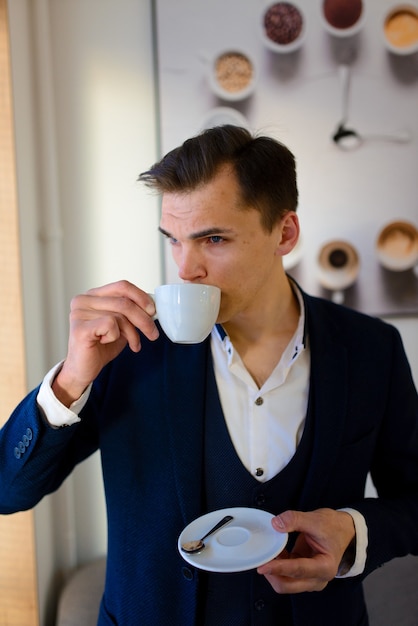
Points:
x=191, y=547
x=349, y=139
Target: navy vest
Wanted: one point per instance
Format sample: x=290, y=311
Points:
x=244, y=598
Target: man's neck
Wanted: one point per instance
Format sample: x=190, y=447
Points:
x=261, y=340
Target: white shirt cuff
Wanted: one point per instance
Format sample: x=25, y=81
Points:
x=54, y=411
x=361, y=544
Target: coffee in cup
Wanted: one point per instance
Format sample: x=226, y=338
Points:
x=338, y=265
x=400, y=29
x=187, y=312
x=397, y=246
x=343, y=18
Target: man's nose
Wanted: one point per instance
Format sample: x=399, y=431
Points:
x=190, y=265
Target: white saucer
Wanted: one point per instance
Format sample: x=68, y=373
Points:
x=247, y=542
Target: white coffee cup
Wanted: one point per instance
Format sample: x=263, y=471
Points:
x=397, y=246
x=187, y=312
x=338, y=265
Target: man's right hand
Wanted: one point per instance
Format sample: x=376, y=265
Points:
x=102, y=322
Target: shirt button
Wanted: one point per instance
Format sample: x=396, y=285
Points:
x=259, y=471
x=259, y=401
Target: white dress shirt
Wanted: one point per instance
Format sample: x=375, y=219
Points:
x=265, y=424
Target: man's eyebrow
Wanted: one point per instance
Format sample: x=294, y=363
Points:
x=208, y=232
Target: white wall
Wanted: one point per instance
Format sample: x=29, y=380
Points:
x=85, y=121
x=85, y=127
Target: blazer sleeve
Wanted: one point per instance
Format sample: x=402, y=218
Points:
x=392, y=517
x=35, y=458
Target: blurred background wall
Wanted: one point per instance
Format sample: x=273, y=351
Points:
x=86, y=123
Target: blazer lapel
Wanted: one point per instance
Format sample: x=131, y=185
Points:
x=327, y=404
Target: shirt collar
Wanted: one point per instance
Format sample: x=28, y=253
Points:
x=298, y=341
x=221, y=333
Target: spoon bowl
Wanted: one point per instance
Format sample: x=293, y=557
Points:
x=197, y=545
x=349, y=139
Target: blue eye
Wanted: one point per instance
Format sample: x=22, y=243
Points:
x=216, y=239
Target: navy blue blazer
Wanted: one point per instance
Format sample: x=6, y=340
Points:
x=145, y=415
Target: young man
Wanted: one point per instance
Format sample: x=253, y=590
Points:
x=287, y=407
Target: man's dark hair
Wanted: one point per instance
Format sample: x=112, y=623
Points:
x=264, y=167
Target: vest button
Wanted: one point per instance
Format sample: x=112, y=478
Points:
x=260, y=499
x=259, y=401
x=187, y=573
x=259, y=604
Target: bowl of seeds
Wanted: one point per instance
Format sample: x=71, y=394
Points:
x=232, y=74
x=283, y=27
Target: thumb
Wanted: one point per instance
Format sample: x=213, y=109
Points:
x=288, y=521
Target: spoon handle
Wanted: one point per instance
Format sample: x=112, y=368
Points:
x=219, y=525
x=345, y=76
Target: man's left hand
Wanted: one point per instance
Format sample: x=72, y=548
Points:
x=324, y=536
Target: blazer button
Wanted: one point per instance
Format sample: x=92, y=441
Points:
x=17, y=453
x=259, y=604
x=187, y=573
x=260, y=499
x=22, y=447
x=26, y=440
x=29, y=434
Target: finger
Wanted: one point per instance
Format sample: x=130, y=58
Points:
x=106, y=329
x=128, y=313
x=296, y=575
x=111, y=329
x=298, y=568
x=117, y=304
x=289, y=521
x=324, y=530
x=315, y=525
x=292, y=586
x=125, y=290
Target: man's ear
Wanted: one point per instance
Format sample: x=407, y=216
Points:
x=289, y=233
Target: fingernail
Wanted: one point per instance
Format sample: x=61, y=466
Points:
x=263, y=570
x=278, y=522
